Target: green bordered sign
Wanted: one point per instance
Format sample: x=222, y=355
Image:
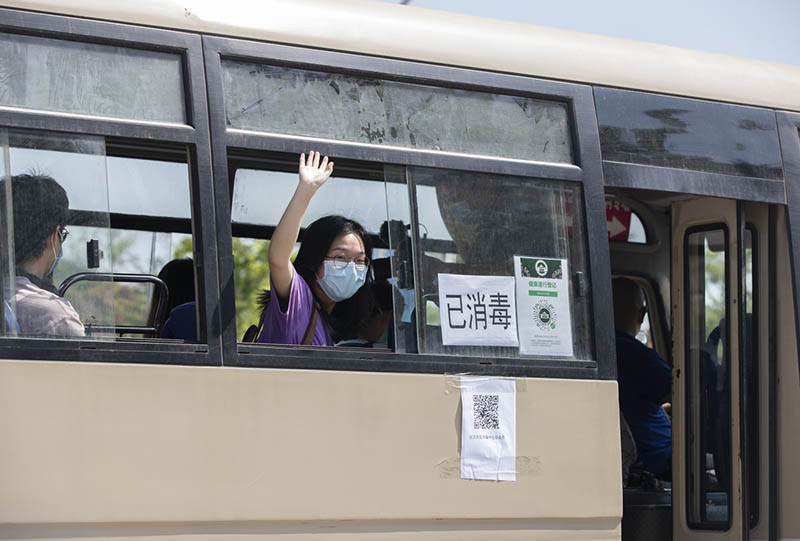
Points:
x=543, y=311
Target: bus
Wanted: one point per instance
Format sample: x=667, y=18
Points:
x=490, y=162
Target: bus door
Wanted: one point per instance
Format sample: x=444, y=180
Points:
x=706, y=295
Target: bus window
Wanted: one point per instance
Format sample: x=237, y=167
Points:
x=382, y=112
x=101, y=80
x=149, y=202
x=474, y=224
x=58, y=202
x=666, y=131
x=708, y=409
x=127, y=216
x=645, y=334
x=259, y=199
x=624, y=224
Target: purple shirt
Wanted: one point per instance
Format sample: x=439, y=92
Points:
x=290, y=326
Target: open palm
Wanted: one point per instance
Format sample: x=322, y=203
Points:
x=313, y=174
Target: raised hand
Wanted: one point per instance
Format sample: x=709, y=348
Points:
x=313, y=174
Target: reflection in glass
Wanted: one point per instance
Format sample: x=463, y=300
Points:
x=650, y=129
x=708, y=410
x=85, y=78
x=488, y=220
x=346, y=108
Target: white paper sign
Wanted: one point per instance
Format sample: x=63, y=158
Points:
x=477, y=310
x=488, y=428
x=543, y=312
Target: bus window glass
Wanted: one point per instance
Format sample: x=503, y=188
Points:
x=259, y=199
x=150, y=207
x=149, y=187
x=8, y=323
x=144, y=252
x=751, y=372
x=665, y=131
x=624, y=224
x=474, y=224
x=708, y=410
x=47, y=172
x=382, y=112
x=86, y=78
x=637, y=232
x=645, y=334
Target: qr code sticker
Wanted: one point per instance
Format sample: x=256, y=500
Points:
x=484, y=411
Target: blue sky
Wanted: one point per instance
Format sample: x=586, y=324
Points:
x=766, y=29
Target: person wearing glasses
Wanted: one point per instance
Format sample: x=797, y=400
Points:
x=40, y=207
x=319, y=299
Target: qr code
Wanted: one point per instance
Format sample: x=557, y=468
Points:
x=484, y=411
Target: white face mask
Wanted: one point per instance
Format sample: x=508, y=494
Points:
x=341, y=284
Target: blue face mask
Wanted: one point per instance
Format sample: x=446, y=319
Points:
x=341, y=284
x=55, y=262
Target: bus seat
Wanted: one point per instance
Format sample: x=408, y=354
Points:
x=646, y=501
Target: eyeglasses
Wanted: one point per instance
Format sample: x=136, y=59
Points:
x=63, y=234
x=340, y=261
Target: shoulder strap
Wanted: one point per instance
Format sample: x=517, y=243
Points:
x=308, y=337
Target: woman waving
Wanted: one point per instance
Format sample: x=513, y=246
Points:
x=319, y=298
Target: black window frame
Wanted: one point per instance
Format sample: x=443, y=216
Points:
x=729, y=258
x=750, y=396
x=193, y=135
x=586, y=170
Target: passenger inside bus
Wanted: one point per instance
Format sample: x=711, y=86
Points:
x=645, y=382
x=318, y=299
x=373, y=329
x=178, y=275
x=40, y=208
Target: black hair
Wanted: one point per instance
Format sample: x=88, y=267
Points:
x=347, y=315
x=178, y=274
x=40, y=206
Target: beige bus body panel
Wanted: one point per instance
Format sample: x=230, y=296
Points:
x=292, y=451
x=410, y=33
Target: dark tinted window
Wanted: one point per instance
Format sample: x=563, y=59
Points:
x=665, y=131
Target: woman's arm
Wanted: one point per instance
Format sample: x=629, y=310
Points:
x=313, y=174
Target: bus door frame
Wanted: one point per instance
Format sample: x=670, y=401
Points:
x=688, y=216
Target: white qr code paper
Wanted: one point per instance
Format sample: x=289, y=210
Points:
x=488, y=428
